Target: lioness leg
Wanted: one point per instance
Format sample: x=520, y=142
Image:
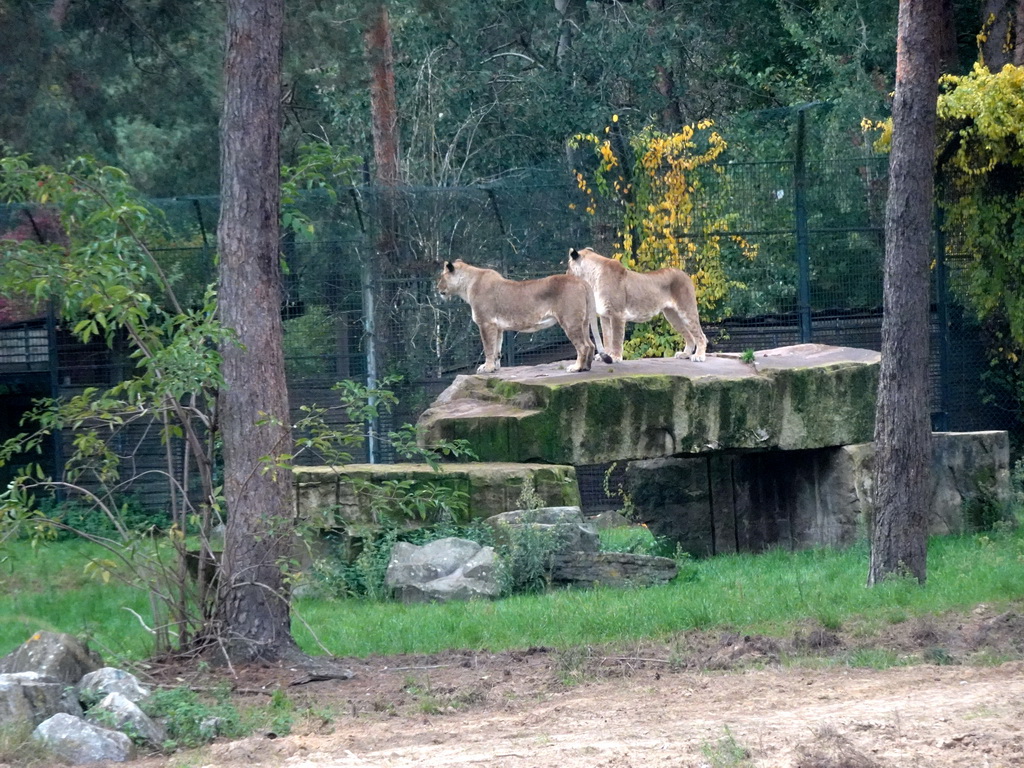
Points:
x=689, y=328
x=578, y=332
x=490, y=335
x=613, y=329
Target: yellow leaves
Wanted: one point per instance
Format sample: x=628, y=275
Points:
x=660, y=219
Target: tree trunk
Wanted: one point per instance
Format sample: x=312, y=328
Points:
x=1001, y=38
x=384, y=123
x=902, y=419
x=254, y=602
x=1018, y=41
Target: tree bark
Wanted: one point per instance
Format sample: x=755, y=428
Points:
x=902, y=419
x=254, y=602
x=384, y=124
x=1003, y=42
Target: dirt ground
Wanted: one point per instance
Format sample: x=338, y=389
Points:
x=955, y=698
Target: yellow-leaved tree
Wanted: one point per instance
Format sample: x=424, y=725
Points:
x=980, y=162
x=651, y=189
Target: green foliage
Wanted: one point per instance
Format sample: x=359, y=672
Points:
x=339, y=574
x=981, y=158
x=94, y=263
x=73, y=518
x=982, y=155
x=726, y=752
x=526, y=553
x=985, y=511
x=773, y=594
x=192, y=720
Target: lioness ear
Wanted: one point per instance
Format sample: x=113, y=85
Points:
x=449, y=266
x=574, y=254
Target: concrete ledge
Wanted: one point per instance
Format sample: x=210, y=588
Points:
x=791, y=398
x=328, y=497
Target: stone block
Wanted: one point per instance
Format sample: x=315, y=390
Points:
x=792, y=398
x=330, y=497
x=612, y=569
x=749, y=502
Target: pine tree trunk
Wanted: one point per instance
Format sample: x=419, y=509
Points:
x=253, y=610
x=902, y=420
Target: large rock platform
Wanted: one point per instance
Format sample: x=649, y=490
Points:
x=792, y=398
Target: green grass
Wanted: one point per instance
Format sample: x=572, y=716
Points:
x=764, y=594
x=48, y=588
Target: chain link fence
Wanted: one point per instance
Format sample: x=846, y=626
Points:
x=360, y=303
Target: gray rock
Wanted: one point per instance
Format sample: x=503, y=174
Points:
x=412, y=564
x=574, y=535
x=28, y=697
x=609, y=519
x=77, y=741
x=97, y=684
x=61, y=657
x=118, y=711
x=612, y=569
x=442, y=570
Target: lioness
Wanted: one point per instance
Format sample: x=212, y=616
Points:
x=624, y=295
x=529, y=305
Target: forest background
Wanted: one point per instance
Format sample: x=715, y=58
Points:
x=490, y=96
x=484, y=89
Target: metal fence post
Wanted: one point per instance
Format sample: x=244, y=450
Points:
x=940, y=419
x=803, y=259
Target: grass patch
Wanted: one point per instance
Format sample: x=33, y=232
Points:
x=48, y=588
x=756, y=594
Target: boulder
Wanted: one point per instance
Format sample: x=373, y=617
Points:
x=58, y=656
x=29, y=697
x=442, y=570
x=793, y=398
x=121, y=713
x=76, y=741
x=574, y=535
x=99, y=683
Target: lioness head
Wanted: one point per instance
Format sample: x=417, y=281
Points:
x=451, y=279
x=576, y=259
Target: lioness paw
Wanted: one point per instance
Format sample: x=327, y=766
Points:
x=488, y=368
x=695, y=356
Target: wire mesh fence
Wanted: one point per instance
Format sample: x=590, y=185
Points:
x=360, y=303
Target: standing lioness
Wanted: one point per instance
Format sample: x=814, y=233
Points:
x=530, y=305
x=625, y=296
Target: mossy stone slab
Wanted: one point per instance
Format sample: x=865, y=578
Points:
x=790, y=398
x=327, y=497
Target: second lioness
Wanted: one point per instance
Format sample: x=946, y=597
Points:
x=500, y=305
x=623, y=295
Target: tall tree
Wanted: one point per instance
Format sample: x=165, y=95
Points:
x=902, y=419
x=384, y=121
x=254, y=605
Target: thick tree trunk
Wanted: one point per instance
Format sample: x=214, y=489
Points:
x=902, y=421
x=254, y=605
